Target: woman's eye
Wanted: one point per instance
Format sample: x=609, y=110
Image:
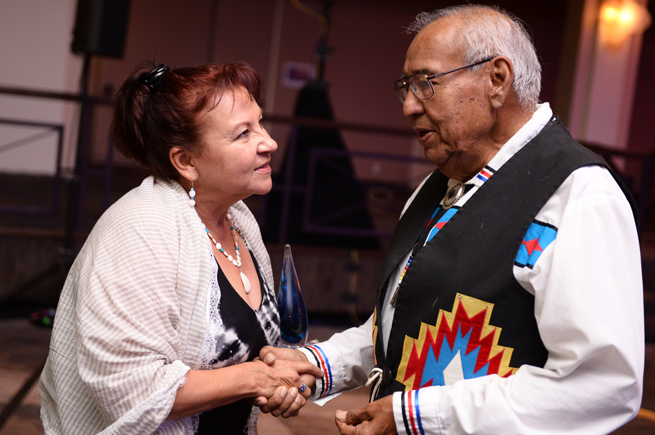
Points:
x=244, y=134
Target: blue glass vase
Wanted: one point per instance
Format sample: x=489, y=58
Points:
x=291, y=305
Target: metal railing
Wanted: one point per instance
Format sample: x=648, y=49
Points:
x=44, y=130
x=60, y=175
x=642, y=188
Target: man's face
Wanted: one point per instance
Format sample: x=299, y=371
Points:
x=454, y=125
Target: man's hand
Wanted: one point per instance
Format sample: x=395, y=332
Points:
x=269, y=354
x=376, y=418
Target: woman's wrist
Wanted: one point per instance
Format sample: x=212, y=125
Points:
x=257, y=380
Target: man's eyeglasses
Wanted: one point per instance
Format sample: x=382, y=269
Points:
x=421, y=84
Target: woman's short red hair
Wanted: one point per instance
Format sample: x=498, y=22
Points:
x=149, y=120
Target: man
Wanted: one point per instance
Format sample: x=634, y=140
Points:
x=518, y=307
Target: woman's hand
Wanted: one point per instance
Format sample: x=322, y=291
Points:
x=208, y=389
x=279, y=403
x=294, y=389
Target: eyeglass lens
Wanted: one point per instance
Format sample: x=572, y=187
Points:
x=420, y=85
x=400, y=88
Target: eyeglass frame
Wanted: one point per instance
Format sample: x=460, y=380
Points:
x=406, y=85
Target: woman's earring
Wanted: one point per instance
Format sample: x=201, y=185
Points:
x=192, y=195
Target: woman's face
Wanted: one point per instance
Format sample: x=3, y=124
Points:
x=235, y=150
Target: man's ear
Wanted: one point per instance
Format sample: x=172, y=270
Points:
x=184, y=163
x=502, y=76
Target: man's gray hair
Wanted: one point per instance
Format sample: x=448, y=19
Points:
x=489, y=31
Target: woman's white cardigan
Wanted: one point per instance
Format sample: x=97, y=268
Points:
x=138, y=310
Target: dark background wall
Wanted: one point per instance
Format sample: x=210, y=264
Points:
x=367, y=47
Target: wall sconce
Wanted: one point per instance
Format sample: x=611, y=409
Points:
x=619, y=20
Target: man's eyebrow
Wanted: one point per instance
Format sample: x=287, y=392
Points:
x=418, y=71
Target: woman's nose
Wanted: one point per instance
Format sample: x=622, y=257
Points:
x=268, y=144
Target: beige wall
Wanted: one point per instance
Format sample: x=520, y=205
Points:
x=35, y=38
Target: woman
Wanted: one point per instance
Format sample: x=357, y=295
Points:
x=171, y=297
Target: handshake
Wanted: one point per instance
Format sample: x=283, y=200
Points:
x=293, y=380
x=289, y=380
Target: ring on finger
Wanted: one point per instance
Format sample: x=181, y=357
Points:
x=303, y=387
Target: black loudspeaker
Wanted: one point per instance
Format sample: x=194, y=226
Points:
x=100, y=27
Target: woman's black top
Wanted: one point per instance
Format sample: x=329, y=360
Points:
x=240, y=318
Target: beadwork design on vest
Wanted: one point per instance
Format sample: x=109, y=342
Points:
x=535, y=241
x=461, y=345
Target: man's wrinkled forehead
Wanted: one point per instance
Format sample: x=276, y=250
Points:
x=432, y=48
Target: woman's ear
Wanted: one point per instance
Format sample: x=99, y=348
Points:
x=502, y=76
x=183, y=162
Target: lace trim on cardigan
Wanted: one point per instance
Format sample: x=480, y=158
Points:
x=214, y=322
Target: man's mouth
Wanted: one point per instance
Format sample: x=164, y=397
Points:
x=423, y=134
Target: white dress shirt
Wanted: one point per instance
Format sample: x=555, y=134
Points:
x=588, y=307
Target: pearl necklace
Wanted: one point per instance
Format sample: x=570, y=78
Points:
x=235, y=261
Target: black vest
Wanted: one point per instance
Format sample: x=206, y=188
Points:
x=469, y=264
